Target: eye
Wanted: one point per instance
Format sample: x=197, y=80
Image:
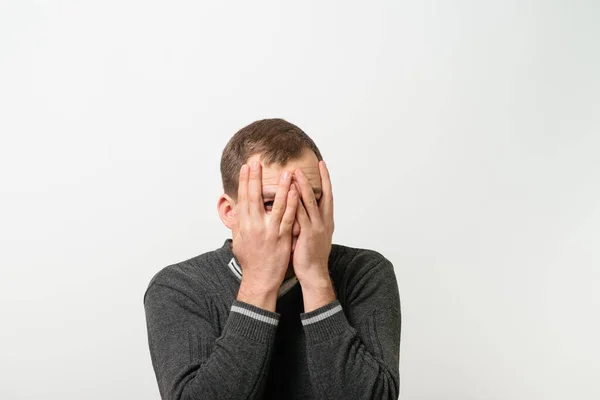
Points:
x=269, y=204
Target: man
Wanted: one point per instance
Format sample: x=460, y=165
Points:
x=277, y=312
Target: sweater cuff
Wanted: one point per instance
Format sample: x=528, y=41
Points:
x=324, y=322
x=252, y=322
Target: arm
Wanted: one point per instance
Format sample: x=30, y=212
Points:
x=180, y=335
x=180, y=330
x=353, y=352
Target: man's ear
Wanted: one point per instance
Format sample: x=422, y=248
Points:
x=225, y=207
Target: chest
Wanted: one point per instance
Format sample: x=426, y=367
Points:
x=289, y=375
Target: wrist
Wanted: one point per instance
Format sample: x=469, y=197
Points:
x=317, y=293
x=316, y=282
x=259, y=295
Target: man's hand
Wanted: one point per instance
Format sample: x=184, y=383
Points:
x=262, y=243
x=311, y=255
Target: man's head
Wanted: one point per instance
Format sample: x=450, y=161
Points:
x=276, y=141
x=279, y=146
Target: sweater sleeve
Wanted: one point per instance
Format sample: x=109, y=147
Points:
x=358, y=360
x=180, y=335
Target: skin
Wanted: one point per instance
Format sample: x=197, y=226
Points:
x=281, y=228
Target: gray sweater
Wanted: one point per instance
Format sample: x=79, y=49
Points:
x=205, y=344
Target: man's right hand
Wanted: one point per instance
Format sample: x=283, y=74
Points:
x=263, y=243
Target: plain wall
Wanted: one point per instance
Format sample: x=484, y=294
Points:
x=463, y=139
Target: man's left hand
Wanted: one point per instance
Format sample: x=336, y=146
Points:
x=311, y=254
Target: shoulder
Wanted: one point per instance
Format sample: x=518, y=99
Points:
x=354, y=262
x=189, y=277
x=359, y=274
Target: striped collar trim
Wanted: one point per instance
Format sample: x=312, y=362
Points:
x=283, y=289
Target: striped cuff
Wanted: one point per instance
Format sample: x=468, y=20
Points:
x=252, y=322
x=324, y=322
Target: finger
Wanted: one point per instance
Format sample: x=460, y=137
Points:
x=326, y=201
x=255, y=201
x=287, y=221
x=279, y=204
x=302, y=216
x=308, y=196
x=243, y=191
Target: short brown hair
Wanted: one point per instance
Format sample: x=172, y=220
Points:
x=276, y=140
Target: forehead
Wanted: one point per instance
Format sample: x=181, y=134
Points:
x=271, y=174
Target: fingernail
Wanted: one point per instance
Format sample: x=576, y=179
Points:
x=244, y=168
x=254, y=165
x=285, y=175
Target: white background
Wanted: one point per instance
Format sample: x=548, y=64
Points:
x=463, y=139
